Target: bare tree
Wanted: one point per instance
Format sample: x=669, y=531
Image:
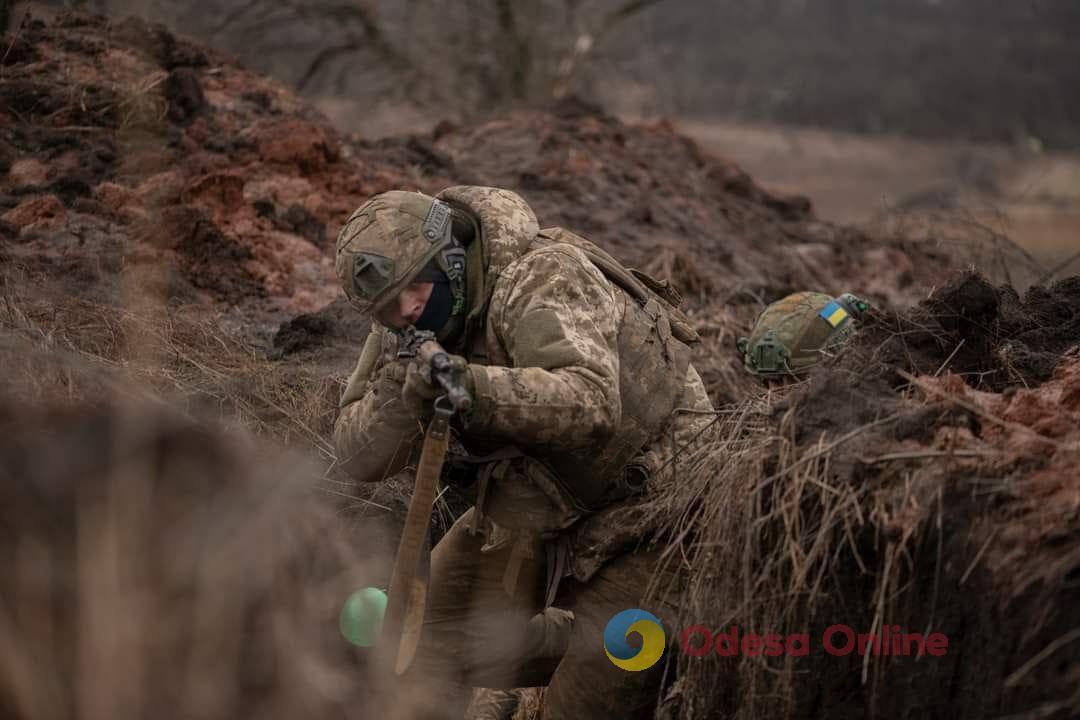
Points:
x=462, y=58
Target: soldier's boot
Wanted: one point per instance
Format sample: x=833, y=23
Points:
x=492, y=704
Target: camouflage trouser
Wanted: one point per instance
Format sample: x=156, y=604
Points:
x=475, y=635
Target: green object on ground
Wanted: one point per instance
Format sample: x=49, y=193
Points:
x=362, y=616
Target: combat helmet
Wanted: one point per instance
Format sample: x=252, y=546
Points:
x=389, y=240
x=791, y=335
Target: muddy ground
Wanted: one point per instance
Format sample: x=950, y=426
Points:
x=167, y=220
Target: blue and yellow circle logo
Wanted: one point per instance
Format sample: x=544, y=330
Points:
x=618, y=649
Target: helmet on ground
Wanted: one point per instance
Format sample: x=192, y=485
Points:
x=791, y=335
x=389, y=240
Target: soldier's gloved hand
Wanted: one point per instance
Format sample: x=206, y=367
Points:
x=419, y=391
x=387, y=387
x=418, y=394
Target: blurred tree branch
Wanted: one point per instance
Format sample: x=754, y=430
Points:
x=627, y=10
x=234, y=16
x=586, y=42
x=514, y=49
x=462, y=59
x=373, y=38
x=506, y=68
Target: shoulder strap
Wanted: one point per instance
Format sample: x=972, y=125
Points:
x=636, y=283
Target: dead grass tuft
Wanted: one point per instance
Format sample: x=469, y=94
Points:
x=973, y=239
x=159, y=566
x=862, y=496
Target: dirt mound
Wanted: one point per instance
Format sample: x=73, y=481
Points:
x=155, y=170
x=986, y=334
x=320, y=332
x=655, y=199
x=124, y=146
x=925, y=481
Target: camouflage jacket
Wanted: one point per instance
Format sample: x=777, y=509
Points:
x=545, y=365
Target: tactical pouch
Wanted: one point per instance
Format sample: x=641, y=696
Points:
x=524, y=495
x=521, y=507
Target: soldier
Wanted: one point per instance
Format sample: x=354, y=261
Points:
x=791, y=335
x=583, y=398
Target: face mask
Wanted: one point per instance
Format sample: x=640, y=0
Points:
x=438, y=308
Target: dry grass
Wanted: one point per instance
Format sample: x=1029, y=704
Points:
x=61, y=349
x=162, y=567
x=141, y=104
x=169, y=520
x=759, y=529
x=970, y=237
x=177, y=354
x=716, y=357
x=780, y=526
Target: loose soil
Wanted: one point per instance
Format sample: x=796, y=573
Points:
x=167, y=221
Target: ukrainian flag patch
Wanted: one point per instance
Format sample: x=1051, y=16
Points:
x=833, y=313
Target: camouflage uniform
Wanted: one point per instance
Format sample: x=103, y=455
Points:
x=551, y=377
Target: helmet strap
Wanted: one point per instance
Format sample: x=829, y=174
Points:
x=451, y=260
x=445, y=309
x=439, y=228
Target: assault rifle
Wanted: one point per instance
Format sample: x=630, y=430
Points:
x=407, y=599
x=435, y=363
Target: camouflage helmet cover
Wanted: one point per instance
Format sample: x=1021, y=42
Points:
x=386, y=242
x=791, y=334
